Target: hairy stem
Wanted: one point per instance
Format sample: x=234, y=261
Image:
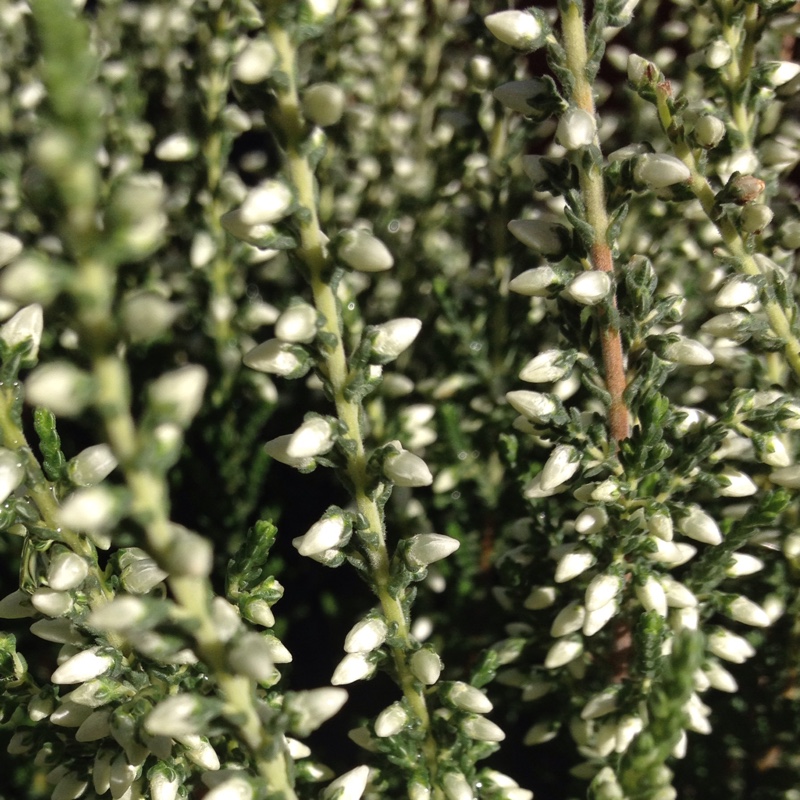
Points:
x=314, y=254
x=591, y=182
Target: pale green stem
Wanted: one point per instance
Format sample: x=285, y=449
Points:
x=313, y=253
x=776, y=314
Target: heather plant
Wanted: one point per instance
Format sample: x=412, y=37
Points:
x=399, y=399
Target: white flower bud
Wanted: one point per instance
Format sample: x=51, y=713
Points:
x=251, y=655
x=545, y=237
x=313, y=438
x=140, y=573
x=178, y=715
x=640, y=70
x=540, y=733
x=755, y=217
x=12, y=472
x=66, y=571
x=576, y=128
x=188, y=553
x=323, y=535
x=671, y=553
x=573, y=564
x=540, y=597
x=660, y=525
x=749, y=613
x=367, y=635
x=200, y=751
x=89, y=509
x=601, y=704
x=717, y=54
x=406, y=469
x=701, y=527
x=272, y=356
x=59, y=386
x=425, y=548
x=652, y=596
x=589, y=288
x=364, y=253
x=518, y=29
x=51, y=603
x=278, y=448
x=26, y=325
x=393, y=337
x=563, y=463
x=92, y=465
x=147, y=315
x=597, y=619
x=534, y=282
x=20, y=743
x=69, y=787
x=82, y=667
x=391, y=721
x=266, y=203
x=730, y=647
x=59, y=630
x=122, y=613
x=719, y=678
x=469, y=698
x=743, y=564
x=233, y=788
x=546, y=367
x=297, y=324
x=685, y=619
x=180, y=392
x=521, y=96
x=689, y=352
x=787, y=476
x=323, y=103
x=657, y=171
x=678, y=595
x=30, y=280
x=256, y=62
x=562, y=652
x=741, y=485
x=568, y=620
x=176, y=147
x=736, y=292
x=781, y=72
x=709, y=131
x=353, y=667
x=591, y=520
x=10, y=248
x=774, y=453
x=349, y=786
x=311, y=708
x=96, y=726
x=321, y=10
x=17, y=605
x=601, y=590
x=456, y=787
x=164, y=786
x=482, y=729
x=426, y=666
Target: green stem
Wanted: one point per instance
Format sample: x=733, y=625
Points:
x=313, y=253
